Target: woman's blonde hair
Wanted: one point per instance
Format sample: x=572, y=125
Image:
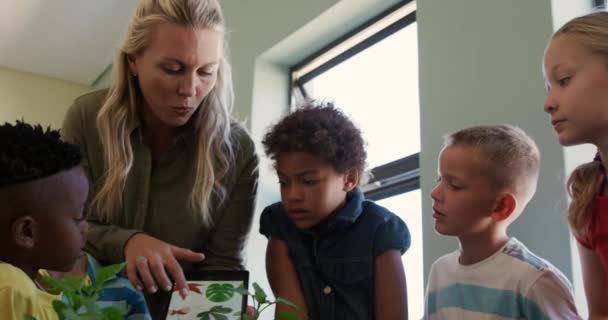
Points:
x=212, y=121
x=590, y=30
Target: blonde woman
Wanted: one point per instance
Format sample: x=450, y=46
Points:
x=173, y=177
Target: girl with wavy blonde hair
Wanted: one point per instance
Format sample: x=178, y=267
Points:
x=576, y=77
x=171, y=172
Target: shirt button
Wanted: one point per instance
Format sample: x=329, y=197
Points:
x=327, y=290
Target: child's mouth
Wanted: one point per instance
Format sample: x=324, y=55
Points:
x=437, y=214
x=297, y=213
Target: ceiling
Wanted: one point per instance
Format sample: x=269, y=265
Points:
x=72, y=40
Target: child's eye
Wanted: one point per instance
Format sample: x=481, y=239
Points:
x=455, y=187
x=282, y=183
x=563, y=81
x=438, y=179
x=310, y=182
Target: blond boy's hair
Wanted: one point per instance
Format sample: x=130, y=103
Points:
x=511, y=159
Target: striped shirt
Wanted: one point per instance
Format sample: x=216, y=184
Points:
x=513, y=283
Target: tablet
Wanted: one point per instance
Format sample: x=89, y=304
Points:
x=212, y=296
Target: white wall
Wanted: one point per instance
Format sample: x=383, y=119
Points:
x=35, y=98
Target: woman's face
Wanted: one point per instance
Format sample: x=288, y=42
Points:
x=176, y=72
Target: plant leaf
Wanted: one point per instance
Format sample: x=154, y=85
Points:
x=57, y=286
x=289, y=303
x=220, y=309
x=113, y=313
x=70, y=314
x=260, y=295
x=284, y=315
x=75, y=283
x=220, y=292
x=90, y=316
x=59, y=306
x=106, y=273
x=218, y=316
x=243, y=291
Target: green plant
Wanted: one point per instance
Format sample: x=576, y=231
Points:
x=78, y=301
x=261, y=303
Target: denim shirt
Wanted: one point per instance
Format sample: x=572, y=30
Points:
x=335, y=266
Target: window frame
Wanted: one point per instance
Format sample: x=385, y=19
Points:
x=389, y=179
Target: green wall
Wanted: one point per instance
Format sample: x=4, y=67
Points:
x=480, y=62
x=35, y=98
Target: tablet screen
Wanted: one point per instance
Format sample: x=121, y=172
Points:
x=212, y=296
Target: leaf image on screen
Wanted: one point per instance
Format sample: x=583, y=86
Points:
x=208, y=300
x=220, y=292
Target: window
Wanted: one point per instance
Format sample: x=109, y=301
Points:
x=599, y=4
x=372, y=74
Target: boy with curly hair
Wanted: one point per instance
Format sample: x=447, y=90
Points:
x=330, y=251
x=42, y=191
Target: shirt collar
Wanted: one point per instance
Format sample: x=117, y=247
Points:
x=185, y=132
x=344, y=217
x=350, y=212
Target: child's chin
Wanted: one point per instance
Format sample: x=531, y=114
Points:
x=302, y=226
x=443, y=231
x=70, y=266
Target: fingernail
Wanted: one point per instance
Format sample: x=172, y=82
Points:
x=139, y=288
x=153, y=289
x=168, y=288
x=184, y=292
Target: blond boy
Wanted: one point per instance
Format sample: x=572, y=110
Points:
x=487, y=175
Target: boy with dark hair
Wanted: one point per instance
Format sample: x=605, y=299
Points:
x=330, y=251
x=42, y=190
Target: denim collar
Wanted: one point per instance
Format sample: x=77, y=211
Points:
x=345, y=216
x=350, y=212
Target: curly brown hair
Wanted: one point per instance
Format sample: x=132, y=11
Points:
x=322, y=130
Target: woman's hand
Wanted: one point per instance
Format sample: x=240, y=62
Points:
x=151, y=259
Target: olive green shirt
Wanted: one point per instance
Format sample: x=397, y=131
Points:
x=156, y=197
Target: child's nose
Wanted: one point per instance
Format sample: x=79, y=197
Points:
x=550, y=105
x=293, y=193
x=435, y=193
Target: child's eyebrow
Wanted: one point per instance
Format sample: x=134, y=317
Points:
x=450, y=177
x=301, y=173
x=557, y=68
x=307, y=172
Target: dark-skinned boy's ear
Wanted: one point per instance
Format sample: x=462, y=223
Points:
x=504, y=207
x=23, y=231
x=351, y=180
